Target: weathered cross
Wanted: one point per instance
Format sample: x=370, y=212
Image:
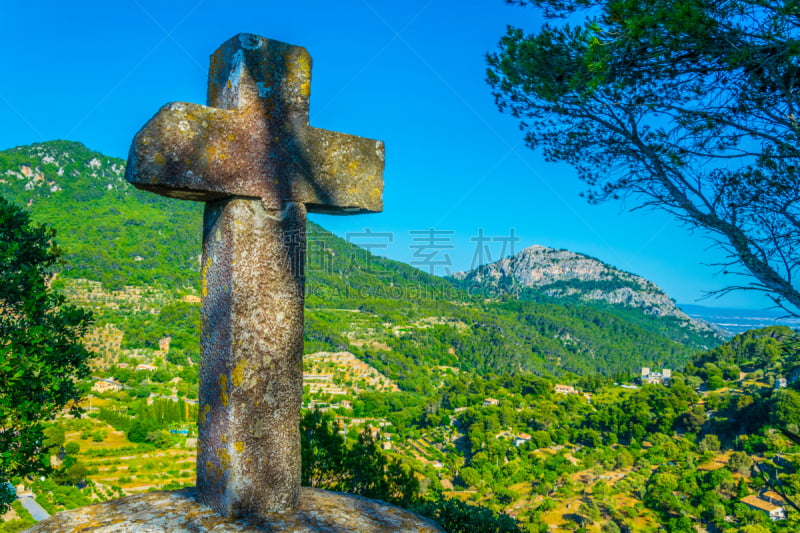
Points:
x=252, y=157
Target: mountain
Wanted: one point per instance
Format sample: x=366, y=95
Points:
x=111, y=232
x=565, y=274
x=133, y=258
x=546, y=274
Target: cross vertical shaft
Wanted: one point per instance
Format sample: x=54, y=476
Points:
x=251, y=381
x=253, y=158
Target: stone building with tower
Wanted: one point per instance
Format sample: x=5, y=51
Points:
x=657, y=378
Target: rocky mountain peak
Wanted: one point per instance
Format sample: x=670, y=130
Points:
x=565, y=274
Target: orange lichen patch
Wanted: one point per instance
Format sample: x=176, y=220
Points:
x=298, y=69
x=204, y=277
x=215, y=154
x=238, y=373
x=239, y=446
x=223, y=388
x=203, y=414
x=224, y=458
x=213, y=470
x=304, y=64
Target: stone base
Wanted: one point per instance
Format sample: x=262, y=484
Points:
x=180, y=512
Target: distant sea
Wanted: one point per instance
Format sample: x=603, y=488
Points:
x=740, y=320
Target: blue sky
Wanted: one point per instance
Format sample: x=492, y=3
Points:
x=410, y=73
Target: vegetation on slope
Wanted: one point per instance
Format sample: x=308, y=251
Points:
x=121, y=236
x=479, y=420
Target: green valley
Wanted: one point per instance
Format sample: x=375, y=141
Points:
x=489, y=410
x=134, y=243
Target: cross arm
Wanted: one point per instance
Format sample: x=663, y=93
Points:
x=201, y=153
x=344, y=173
x=190, y=151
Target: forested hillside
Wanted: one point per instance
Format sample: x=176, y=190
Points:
x=111, y=232
x=405, y=320
x=457, y=403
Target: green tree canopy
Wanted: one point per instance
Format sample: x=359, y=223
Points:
x=41, y=357
x=690, y=106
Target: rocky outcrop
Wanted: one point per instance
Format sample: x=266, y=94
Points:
x=561, y=273
x=537, y=266
x=180, y=512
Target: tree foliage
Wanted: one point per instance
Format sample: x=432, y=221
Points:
x=41, y=358
x=322, y=452
x=691, y=106
x=360, y=467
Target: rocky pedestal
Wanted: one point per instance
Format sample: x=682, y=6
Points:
x=180, y=512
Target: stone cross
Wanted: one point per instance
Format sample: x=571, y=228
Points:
x=253, y=158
